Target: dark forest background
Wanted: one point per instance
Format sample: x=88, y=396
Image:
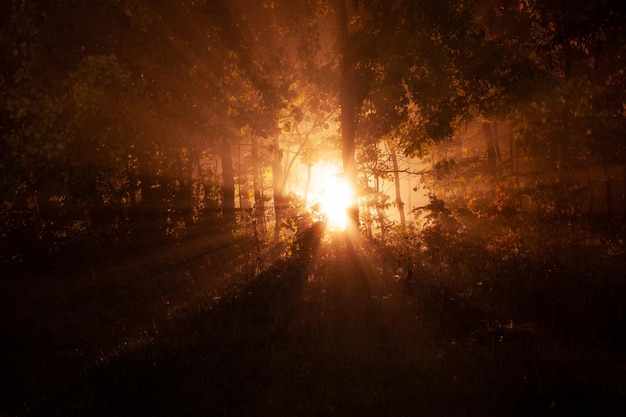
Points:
x=123, y=122
x=159, y=254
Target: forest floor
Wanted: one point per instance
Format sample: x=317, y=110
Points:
x=327, y=328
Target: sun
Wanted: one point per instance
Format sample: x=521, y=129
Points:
x=332, y=195
x=334, y=203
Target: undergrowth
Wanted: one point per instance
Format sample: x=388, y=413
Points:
x=544, y=298
x=447, y=320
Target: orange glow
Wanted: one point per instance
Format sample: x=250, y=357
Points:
x=330, y=192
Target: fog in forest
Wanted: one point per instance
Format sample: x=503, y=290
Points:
x=312, y=207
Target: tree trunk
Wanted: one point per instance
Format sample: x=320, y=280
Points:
x=184, y=197
x=367, y=216
x=492, y=162
x=347, y=101
x=259, y=206
x=228, y=183
x=396, y=180
x=379, y=209
x=496, y=144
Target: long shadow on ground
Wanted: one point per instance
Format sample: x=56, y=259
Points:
x=214, y=359
x=328, y=331
x=323, y=332
x=55, y=326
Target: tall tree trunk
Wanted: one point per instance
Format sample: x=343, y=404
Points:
x=396, y=180
x=184, y=198
x=379, y=209
x=367, y=216
x=228, y=183
x=347, y=101
x=277, y=181
x=496, y=144
x=492, y=162
x=259, y=206
x=209, y=178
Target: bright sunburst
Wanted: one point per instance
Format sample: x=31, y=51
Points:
x=334, y=203
x=332, y=194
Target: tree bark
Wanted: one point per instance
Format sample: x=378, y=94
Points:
x=379, y=210
x=492, y=162
x=228, y=183
x=347, y=102
x=396, y=179
x=259, y=206
x=184, y=198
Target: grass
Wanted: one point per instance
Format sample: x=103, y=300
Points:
x=328, y=330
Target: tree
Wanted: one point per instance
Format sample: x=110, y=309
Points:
x=107, y=110
x=348, y=101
